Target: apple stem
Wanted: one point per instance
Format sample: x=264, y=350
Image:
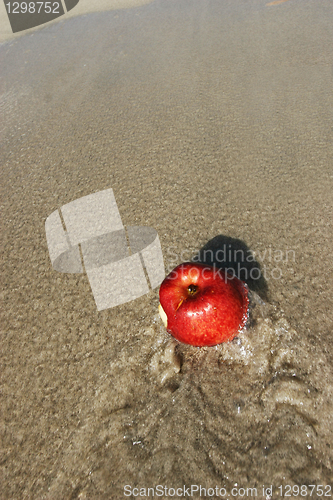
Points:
x=192, y=289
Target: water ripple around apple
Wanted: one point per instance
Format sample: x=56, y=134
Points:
x=191, y=415
x=257, y=398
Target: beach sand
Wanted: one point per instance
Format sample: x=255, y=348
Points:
x=211, y=122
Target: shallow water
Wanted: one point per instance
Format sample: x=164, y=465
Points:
x=236, y=414
x=211, y=122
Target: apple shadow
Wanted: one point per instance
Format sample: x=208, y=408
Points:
x=235, y=256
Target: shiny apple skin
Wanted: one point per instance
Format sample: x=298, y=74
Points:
x=213, y=310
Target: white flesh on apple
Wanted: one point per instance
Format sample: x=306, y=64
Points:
x=163, y=315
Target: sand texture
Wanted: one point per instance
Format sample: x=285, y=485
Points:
x=212, y=123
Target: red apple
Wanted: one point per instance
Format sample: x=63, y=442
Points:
x=202, y=305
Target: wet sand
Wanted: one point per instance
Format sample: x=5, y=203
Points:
x=211, y=121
